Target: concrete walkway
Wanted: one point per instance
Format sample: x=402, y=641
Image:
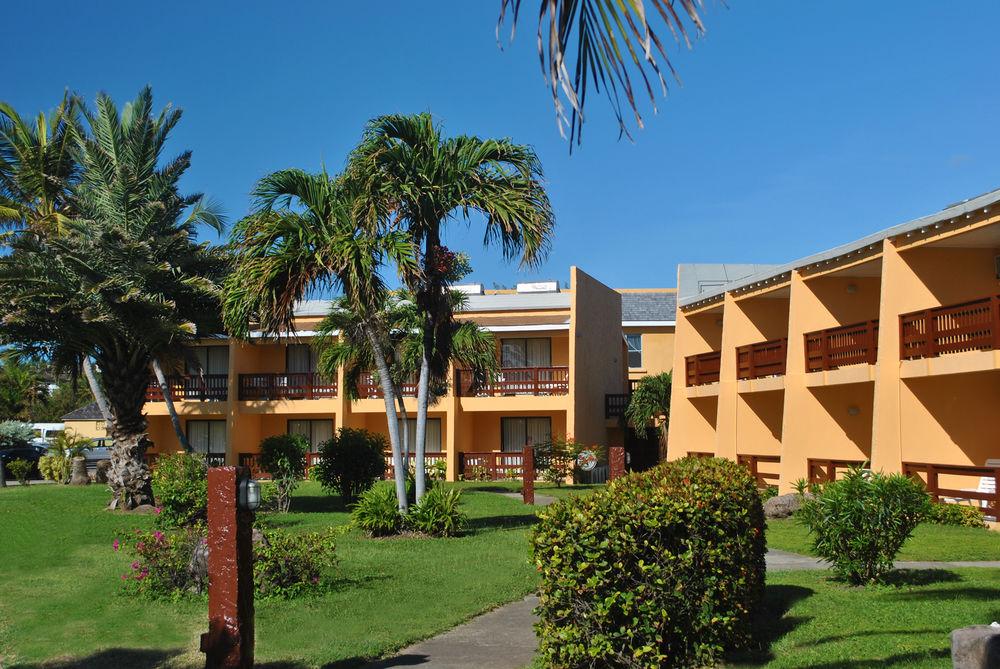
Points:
x=540, y=500
x=785, y=561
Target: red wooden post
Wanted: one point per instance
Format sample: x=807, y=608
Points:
x=228, y=644
x=616, y=462
x=528, y=475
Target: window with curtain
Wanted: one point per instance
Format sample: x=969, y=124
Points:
x=432, y=440
x=315, y=431
x=516, y=433
x=300, y=358
x=210, y=360
x=531, y=352
x=634, y=343
x=207, y=436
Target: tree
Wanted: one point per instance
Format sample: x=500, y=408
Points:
x=650, y=401
x=124, y=282
x=611, y=39
x=329, y=240
x=405, y=166
x=21, y=389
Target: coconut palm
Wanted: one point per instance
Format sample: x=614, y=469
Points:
x=650, y=402
x=406, y=166
x=125, y=282
x=305, y=234
x=601, y=43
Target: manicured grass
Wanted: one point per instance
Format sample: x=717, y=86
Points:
x=929, y=542
x=547, y=489
x=61, y=599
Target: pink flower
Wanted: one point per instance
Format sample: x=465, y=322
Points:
x=124, y=577
x=158, y=509
x=141, y=575
x=115, y=544
x=158, y=535
x=139, y=546
x=135, y=565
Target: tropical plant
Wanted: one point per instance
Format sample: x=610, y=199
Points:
x=377, y=512
x=405, y=166
x=21, y=470
x=283, y=456
x=180, y=481
x=438, y=513
x=15, y=434
x=601, y=43
x=351, y=462
x=650, y=402
x=124, y=282
x=959, y=515
x=22, y=389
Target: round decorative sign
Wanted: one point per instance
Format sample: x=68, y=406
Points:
x=586, y=461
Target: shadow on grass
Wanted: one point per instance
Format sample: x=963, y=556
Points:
x=110, y=658
x=899, y=660
x=352, y=663
x=772, y=623
x=501, y=522
x=318, y=504
x=486, y=487
x=900, y=577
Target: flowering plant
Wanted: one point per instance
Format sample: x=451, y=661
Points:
x=164, y=565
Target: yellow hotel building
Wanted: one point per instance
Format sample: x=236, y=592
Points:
x=562, y=352
x=885, y=350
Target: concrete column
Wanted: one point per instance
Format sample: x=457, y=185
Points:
x=887, y=454
x=794, y=429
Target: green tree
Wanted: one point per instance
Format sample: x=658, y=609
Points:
x=405, y=166
x=125, y=282
x=650, y=402
x=22, y=389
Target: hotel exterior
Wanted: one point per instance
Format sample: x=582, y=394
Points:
x=885, y=350
x=567, y=355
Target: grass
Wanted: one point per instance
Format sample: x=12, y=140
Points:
x=61, y=586
x=929, y=541
x=546, y=489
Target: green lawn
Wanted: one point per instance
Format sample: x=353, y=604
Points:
x=547, y=489
x=929, y=542
x=60, y=594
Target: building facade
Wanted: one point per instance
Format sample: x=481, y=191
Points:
x=885, y=351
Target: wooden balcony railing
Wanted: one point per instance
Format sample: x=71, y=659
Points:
x=753, y=462
x=517, y=381
x=982, y=491
x=703, y=368
x=842, y=346
x=766, y=358
x=370, y=388
x=286, y=386
x=970, y=326
x=826, y=471
x=490, y=466
x=206, y=387
x=252, y=461
x=615, y=404
x=430, y=458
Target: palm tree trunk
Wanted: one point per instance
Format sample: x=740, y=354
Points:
x=423, y=384
x=125, y=378
x=98, y=393
x=168, y=399
x=389, y=395
x=405, y=420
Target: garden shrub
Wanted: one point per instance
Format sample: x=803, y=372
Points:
x=21, y=470
x=959, y=515
x=860, y=522
x=438, y=513
x=57, y=465
x=15, y=434
x=287, y=565
x=54, y=468
x=767, y=492
x=660, y=569
x=284, y=458
x=180, y=481
x=352, y=461
x=377, y=512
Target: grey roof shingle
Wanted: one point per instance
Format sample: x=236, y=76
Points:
x=89, y=412
x=658, y=306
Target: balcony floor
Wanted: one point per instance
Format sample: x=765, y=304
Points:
x=705, y=390
x=761, y=385
x=862, y=373
x=952, y=363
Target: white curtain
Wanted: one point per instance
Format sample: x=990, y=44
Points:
x=516, y=433
x=534, y=352
x=300, y=358
x=211, y=360
x=432, y=439
x=207, y=436
x=539, y=352
x=315, y=431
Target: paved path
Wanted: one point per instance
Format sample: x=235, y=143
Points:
x=540, y=500
x=785, y=561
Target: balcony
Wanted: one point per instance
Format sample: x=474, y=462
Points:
x=203, y=388
x=370, y=388
x=615, y=405
x=286, y=386
x=766, y=358
x=491, y=466
x=703, y=369
x=981, y=491
x=970, y=326
x=516, y=381
x=842, y=346
x=753, y=462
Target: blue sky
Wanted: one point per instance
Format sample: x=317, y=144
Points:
x=800, y=125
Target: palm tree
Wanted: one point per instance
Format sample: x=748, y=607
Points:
x=611, y=39
x=405, y=166
x=282, y=253
x=125, y=282
x=650, y=402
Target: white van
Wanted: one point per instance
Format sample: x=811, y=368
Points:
x=46, y=432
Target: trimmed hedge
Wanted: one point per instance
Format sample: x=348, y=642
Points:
x=661, y=569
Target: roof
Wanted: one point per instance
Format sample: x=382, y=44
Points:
x=697, y=280
x=647, y=307
x=89, y=412
x=488, y=302
x=952, y=212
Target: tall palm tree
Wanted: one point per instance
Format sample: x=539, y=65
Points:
x=125, y=282
x=407, y=167
x=306, y=233
x=600, y=43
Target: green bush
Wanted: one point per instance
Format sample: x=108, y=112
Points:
x=54, y=468
x=15, y=434
x=438, y=513
x=21, y=470
x=660, y=569
x=284, y=458
x=351, y=462
x=162, y=564
x=768, y=492
x=377, y=512
x=860, y=522
x=959, y=515
x=57, y=465
x=287, y=565
x=180, y=481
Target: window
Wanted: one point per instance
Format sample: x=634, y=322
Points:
x=315, y=431
x=210, y=360
x=634, y=342
x=535, y=352
x=432, y=440
x=207, y=436
x=300, y=358
x=516, y=433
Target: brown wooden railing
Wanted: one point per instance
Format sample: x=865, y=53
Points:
x=516, y=381
x=286, y=386
x=988, y=501
x=207, y=387
x=766, y=358
x=753, y=462
x=838, y=347
x=826, y=471
x=703, y=368
x=492, y=466
x=615, y=404
x=430, y=458
x=370, y=388
x=970, y=326
x=252, y=462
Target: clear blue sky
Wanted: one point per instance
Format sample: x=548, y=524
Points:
x=800, y=125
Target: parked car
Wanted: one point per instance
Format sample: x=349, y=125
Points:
x=100, y=451
x=46, y=432
x=29, y=452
